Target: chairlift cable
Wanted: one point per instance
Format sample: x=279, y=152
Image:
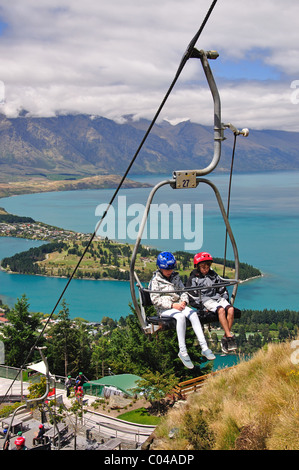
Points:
x=185, y=58
x=228, y=198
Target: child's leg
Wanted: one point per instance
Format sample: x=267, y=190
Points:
x=180, y=327
x=196, y=325
x=230, y=313
x=223, y=321
x=225, y=313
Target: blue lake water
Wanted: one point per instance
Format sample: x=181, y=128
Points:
x=264, y=215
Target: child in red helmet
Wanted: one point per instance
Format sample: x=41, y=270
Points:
x=214, y=299
x=40, y=435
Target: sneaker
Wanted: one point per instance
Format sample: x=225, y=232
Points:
x=186, y=360
x=208, y=354
x=231, y=343
x=224, y=345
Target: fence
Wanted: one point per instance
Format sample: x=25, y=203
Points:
x=27, y=375
x=193, y=385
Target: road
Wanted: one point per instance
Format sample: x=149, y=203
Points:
x=114, y=427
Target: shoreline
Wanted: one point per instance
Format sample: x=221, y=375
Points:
x=89, y=278
x=252, y=278
x=43, y=185
x=41, y=232
x=93, y=279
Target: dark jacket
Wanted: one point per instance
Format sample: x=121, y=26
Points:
x=196, y=279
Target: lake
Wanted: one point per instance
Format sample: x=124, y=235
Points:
x=264, y=215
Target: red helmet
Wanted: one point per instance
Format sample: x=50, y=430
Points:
x=202, y=256
x=20, y=441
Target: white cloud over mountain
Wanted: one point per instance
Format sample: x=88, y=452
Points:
x=116, y=58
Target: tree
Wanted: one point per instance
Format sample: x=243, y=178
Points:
x=242, y=337
x=283, y=333
x=266, y=334
x=84, y=347
x=155, y=386
x=20, y=334
x=65, y=345
x=99, y=356
x=128, y=349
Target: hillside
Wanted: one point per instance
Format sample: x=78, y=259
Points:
x=71, y=146
x=254, y=406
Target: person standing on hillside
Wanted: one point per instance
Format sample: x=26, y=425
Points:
x=79, y=395
x=81, y=379
x=68, y=385
x=212, y=298
x=6, y=435
x=171, y=304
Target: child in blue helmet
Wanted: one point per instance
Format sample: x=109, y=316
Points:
x=174, y=304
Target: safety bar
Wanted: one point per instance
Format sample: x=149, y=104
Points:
x=230, y=282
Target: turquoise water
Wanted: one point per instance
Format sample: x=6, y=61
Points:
x=264, y=216
x=86, y=299
x=226, y=361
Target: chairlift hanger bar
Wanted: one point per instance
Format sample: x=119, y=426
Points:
x=218, y=125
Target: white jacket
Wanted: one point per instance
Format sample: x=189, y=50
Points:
x=164, y=299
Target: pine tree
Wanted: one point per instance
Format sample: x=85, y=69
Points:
x=65, y=340
x=20, y=334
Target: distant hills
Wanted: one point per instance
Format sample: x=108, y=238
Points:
x=72, y=146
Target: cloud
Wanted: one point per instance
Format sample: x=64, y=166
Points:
x=116, y=58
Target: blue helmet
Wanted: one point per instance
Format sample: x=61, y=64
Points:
x=166, y=260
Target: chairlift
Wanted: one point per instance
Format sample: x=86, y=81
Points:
x=189, y=179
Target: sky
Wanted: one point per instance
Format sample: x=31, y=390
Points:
x=115, y=58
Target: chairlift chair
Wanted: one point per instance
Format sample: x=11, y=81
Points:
x=189, y=179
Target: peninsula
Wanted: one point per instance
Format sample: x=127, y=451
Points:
x=105, y=259
x=44, y=185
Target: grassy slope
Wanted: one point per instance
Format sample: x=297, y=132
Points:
x=254, y=406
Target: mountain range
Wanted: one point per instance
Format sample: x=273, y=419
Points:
x=76, y=146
